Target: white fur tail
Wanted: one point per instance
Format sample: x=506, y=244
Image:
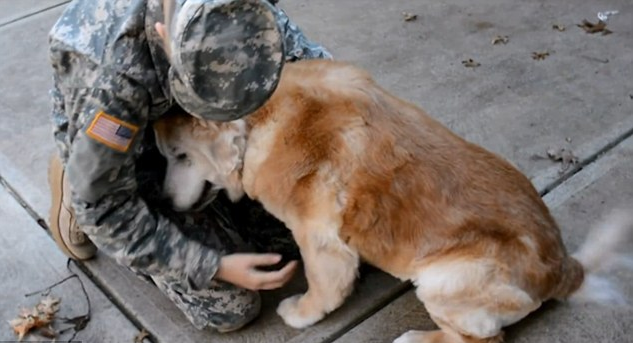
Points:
x=602, y=250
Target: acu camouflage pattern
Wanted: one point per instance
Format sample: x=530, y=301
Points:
x=226, y=56
x=107, y=57
x=223, y=226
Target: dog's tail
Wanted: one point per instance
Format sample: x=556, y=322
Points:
x=602, y=250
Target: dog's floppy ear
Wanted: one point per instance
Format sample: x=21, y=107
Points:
x=160, y=132
x=231, y=142
x=227, y=153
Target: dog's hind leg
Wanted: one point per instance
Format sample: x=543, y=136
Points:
x=331, y=268
x=471, y=301
x=445, y=335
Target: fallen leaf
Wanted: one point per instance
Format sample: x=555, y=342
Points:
x=540, y=55
x=592, y=28
x=409, y=16
x=558, y=27
x=49, y=305
x=28, y=312
x=565, y=156
x=470, y=63
x=141, y=336
x=22, y=326
x=47, y=332
x=38, y=317
x=500, y=40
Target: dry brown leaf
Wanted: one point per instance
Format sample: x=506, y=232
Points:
x=592, y=28
x=558, y=27
x=49, y=305
x=500, y=40
x=565, y=156
x=38, y=317
x=470, y=63
x=28, y=312
x=409, y=16
x=540, y=55
x=22, y=326
x=47, y=332
x=141, y=336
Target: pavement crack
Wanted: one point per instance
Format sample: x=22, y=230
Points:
x=42, y=223
x=33, y=13
x=587, y=161
x=15, y=195
x=127, y=313
x=400, y=291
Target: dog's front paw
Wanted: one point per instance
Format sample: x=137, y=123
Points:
x=297, y=314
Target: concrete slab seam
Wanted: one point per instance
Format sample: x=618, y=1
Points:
x=118, y=304
x=592, y=158
x=23, y=203
x=32, y=14
x=402, y=289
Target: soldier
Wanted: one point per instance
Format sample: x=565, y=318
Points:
x=113, y=76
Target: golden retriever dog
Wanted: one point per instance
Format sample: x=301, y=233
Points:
x=358, y=174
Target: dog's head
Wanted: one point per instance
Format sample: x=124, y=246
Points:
x=202, y=158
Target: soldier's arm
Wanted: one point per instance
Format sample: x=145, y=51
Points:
x=101, y=171
x=297, y=45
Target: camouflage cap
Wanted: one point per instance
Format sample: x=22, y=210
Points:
x=226, y=56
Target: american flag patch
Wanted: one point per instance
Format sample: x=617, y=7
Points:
x=112, y=132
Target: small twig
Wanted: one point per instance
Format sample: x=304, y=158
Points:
x=140, y=337
x=595, y=59
x=47, y=290
x=14, y=193
x=80, y=322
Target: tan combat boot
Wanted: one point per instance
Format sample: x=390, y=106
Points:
x=63, y=226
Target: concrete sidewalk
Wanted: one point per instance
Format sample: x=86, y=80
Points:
x=580, y=98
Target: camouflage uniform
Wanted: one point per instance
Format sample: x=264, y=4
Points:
x=110, y=68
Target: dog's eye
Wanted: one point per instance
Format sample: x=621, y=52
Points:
x=181, y=157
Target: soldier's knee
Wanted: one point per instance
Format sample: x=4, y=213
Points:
x=243, y=309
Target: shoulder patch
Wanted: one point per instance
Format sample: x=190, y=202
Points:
x=112, y=132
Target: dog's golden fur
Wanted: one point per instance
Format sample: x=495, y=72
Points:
x=359, y=174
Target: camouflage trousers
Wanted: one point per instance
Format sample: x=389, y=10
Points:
x=225, y=227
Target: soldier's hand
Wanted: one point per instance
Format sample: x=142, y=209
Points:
x=242, y=271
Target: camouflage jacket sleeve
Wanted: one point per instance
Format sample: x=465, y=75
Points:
x=297, y=45
x=101, y=109
x=105, y=198
x=107, y=204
